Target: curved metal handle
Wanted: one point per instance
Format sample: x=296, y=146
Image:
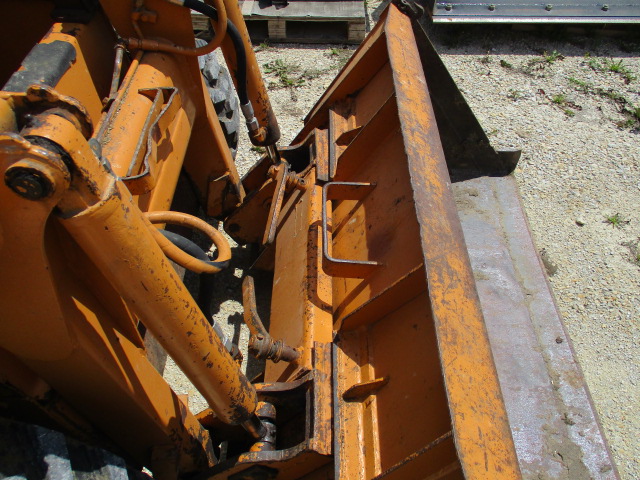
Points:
x=338, y=267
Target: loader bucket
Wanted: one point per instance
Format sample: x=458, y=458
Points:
x=411, y=256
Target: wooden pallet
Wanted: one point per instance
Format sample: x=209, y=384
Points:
x=301, y=21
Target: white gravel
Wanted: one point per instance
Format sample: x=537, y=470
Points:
x=578, y=168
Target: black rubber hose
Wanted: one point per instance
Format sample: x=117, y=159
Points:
x=206, y=287
x=207, y=283
x=238, y=45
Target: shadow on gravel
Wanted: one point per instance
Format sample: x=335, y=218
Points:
x=570, y=40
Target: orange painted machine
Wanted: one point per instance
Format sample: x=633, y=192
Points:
x=411, y=334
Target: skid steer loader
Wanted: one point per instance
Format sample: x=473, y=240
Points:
x=411, y=334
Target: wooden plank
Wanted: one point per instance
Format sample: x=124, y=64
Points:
x=303, y=10
x=341, y=21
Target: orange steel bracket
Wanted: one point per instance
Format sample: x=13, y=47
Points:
x=414, y=377
x=479, y=418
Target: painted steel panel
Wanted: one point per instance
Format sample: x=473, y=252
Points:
x=535, y=11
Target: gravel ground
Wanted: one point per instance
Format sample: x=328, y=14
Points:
x=571, y=103
x=579, y=177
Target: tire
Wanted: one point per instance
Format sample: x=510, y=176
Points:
x=33, y=452
x=222, y=94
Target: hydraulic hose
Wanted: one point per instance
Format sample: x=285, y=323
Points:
x=157, y=46
x=176, y=254
x=205, y=293
x=206, y=287
x=238, y=44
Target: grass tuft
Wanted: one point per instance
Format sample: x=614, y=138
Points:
x=559, y=99
x=612, y=66
x=505, y=64
x=616, y=221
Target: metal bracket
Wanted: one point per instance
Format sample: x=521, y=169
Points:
x=285, y=181
x=410, y=8
x=163, y=108
x=261, y=345
x=337, y=267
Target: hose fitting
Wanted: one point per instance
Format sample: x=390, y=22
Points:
x=249, y=116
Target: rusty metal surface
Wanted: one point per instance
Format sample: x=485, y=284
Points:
x=268, y=186
x=391, y=369
x=389, y=397
x=167, y=308
x=145, y=133
x=261, y=345
x=407, y=372
x=200, y=146
x=91, y=364
x=140, y=176
x=282, y=171
x=302, y=404
x=99, y=213
x=300, y=308
x=80, y=329
x=553, y=421
x=341, y=267
x=483, y=439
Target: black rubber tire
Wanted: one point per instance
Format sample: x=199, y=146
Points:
x=222, y=95
x=34, y=452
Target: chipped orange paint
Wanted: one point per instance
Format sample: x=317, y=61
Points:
x=483, y=438
x=418, y=316
x=409, y=339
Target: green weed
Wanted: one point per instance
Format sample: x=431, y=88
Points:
x=580, y=85
x=632, y=113
x=505, y=64
x=616, y=221
x=340, y=55
x=595, y=64
x=559, y=99
x=612, y=95
x=263, y=46
x=287, y=73
x=537, y=64
x=552, y=57
x=610, y=65
x=621, y=69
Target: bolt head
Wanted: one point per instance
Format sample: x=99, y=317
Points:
x=448, y=7
x=605, y=8
x=28, y=183
x=492, y=7
x=549, y=7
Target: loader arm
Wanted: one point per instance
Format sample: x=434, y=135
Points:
x=389, y=350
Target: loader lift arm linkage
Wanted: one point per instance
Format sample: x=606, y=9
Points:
x=382, y=360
